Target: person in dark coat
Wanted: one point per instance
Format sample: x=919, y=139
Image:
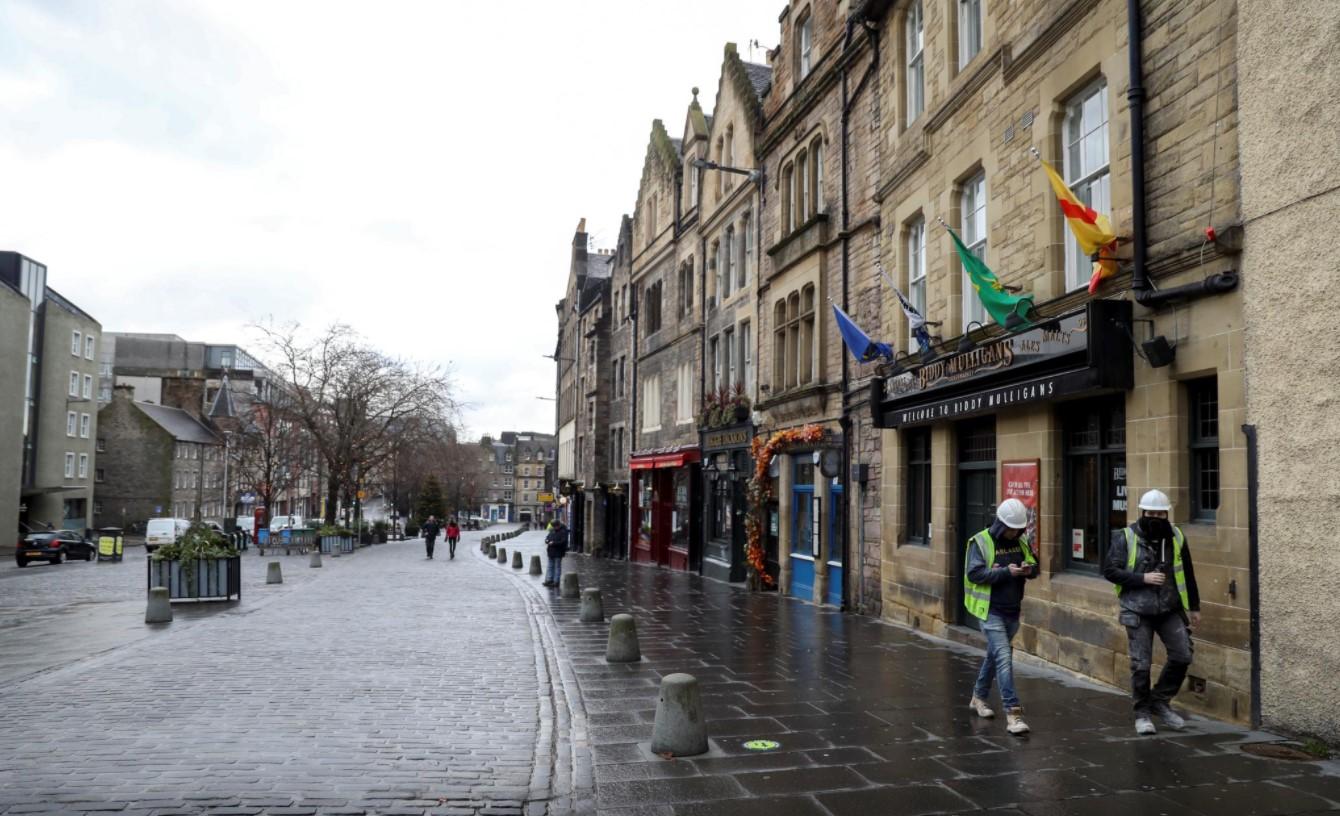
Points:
x=430, y=530
x=557, y=547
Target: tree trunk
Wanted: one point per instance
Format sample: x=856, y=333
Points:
x=332, y=498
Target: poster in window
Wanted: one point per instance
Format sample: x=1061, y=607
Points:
x=1077, y=543
x=1019, y=479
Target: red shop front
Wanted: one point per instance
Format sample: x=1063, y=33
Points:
x=667, y=504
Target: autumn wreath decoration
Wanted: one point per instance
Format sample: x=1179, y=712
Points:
x=760, y=492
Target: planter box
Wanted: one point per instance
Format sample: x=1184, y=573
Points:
x=214, y=579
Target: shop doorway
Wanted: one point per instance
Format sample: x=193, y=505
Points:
x=837, y=519
x=804, y=531
x=976, y=496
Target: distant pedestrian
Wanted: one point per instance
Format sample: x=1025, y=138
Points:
x=999, y=563
x=1139, y=559
x=453, y=536
x=557, y=547
x=430, y=530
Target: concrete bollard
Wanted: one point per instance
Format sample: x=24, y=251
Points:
x=493, y=551
x=159, y=609
x=535, y=568
x=593, y=609
x=622, y=646
x=315, y=560
x=502, y=555
x=516, y=560
x=679, y=729
x=571, y=584
x=273, y=574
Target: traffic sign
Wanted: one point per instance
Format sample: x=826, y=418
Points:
x=362, y=494
x=544, y=497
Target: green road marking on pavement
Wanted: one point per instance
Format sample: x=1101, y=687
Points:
x=762, y=745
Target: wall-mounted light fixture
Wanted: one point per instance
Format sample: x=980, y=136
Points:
x=967, y=343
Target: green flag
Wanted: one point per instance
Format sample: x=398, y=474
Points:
x=999, y=303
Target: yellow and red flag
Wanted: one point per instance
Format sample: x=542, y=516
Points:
x=1090, y=227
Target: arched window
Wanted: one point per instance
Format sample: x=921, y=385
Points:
x=788, y=196
x=779, y=366
x=728, y=157
x=792, y=339
x=817, y=175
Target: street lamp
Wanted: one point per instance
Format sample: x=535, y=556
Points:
x=704, y=164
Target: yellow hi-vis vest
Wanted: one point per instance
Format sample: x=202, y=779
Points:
x=977, y=597
x=1179, y=575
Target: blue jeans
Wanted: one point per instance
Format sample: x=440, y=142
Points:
x=555, y=569
x=999, y=661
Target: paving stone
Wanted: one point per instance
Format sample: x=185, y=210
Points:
x=1010, y=789
x=763, y=806
x=667, y=791
x=1117, y=804
x=910, y=801
x=800, y=780
x=1245, y=799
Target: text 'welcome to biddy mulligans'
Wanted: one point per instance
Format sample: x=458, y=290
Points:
x=991, y=400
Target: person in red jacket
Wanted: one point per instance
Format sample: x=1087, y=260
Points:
x=453, y=536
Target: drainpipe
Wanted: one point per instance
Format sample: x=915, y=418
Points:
x=1254, y=569
x=632, y=413
x=1141, y=286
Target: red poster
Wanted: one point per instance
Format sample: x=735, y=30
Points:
x=1020, y=480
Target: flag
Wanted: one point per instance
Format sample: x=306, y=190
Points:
x=1090, y=227
x=914, y=318
x=862, y=347
x=998, y=302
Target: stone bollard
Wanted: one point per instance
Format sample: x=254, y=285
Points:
x=516, y=560
x=571, y=584
x=493, y=551
x=679, y=729
x=315, y=560
x=159, y=609
x=502, y=555
x=593, y=609
x=535, y=568
x=273, y=575
x=622, y=645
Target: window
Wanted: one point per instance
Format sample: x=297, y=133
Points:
x=801, y=207
x=972, y=207
x=1085, y=163
x=618, y=378
x=794, y=339
x=195, y=451
x=728, y=157
x=101, y=445
x=1204, y=404
x=718, y=285
x=71, y=418
x=918, y=443
x=816, y=197
x=88, y=347
x=75, y=343
x=684, y=394
x=83, y=426
x=507, y=482
x=714, y=360
x=806, y=372
x=747, y=261
x=692, y=173
x=788, y=195
x=651, y=220
x=97, y=506
x=686, y=289
x=507, y=496
x=88, y=386
x=69, y=465
x=74, y=383
x=651, y=403
x=914, y=28
x=804, y=45
x=652, y=308
x=747, y=357
x=83, y=465
x=728, y=342
x=1094, y=485
x=916, y=267
x=728, y=255
x=779, y=346
x=969, y=31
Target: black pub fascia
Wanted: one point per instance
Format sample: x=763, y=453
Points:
x=726, y=468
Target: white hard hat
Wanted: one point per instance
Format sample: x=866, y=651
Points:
x=1013, y=514
x=1155, y=500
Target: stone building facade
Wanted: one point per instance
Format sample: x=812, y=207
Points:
x=534, y=456
x=1068, y=416
x=623, y=368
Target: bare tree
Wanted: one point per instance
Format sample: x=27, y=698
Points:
x=272, y=448
x=359, y=405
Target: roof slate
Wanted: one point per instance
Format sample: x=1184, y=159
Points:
x=182, y=426
x=760, y=76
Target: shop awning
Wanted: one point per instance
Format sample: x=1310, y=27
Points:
x=664, y=460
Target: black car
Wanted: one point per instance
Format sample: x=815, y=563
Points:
x=54, y=547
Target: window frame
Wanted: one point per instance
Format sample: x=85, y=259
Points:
x=71, y=424
x=728, y=254
x=968, y=49
x=914, y=42
x=746, y=249
x=89, y=345
x=85, y=423
x=88, y=386
x=1200, y=445
x=76, y=343
x=972, y=307
x=69, y=464
x=804, y=45
x=1082, y=179
x=746, y=357
x=1105, y=451
x=917, y=281
x=816, y=180
x=918, y=508
x=74, y=384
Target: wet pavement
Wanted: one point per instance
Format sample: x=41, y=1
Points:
x=872, y=719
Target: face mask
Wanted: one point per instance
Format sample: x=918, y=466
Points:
x=1157, y=528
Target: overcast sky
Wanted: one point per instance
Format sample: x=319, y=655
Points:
x=415, y=169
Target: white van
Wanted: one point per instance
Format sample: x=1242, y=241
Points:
x=162, y=531
x=278, y=523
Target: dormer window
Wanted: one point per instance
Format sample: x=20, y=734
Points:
x=804, y=45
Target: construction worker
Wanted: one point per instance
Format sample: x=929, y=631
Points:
x=1150, y=563
x=998, y=563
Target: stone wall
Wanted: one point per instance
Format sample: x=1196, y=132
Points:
x=136, y=464
x=15, y=313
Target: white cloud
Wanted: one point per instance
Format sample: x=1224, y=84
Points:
x=413, y=169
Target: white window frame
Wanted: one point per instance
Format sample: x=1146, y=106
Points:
x=84, y=424
x=684, y=394
x=818, y=204
x=76, y=345
x=747, y=356
x=651, y=403
x=88, y=386
x=916, y=269
x=714, y=362
x=728, y=254
x=71, y=422
x=83, y=465
x=88, y=347
x=914, y=26
x=732, y=370
x=972, y=211
x=747, y=263
x=1086, y=166
x=806, y=40
x=69, y=464
x=970, y=23
x=74, y=383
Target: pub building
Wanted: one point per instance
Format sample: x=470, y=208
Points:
x=726, y=469
x=667, y=507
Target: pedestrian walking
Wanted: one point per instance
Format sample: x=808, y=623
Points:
x=557, y=547
x=1139, y=561
x=453, y=536
x=430, y=530
x=998, y=564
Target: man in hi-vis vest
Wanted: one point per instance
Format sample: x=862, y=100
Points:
x=1150, y=563
x=998, y=563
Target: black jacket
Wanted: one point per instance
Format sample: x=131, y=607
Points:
x=1142, y=598
x=430, y=530
x=557, y=542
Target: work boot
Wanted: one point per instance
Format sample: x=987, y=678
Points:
x=1170, y=718
x=979, y=707
x=1014, y=721
x=1145, y=726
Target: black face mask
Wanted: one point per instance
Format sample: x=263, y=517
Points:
x=1156, y=529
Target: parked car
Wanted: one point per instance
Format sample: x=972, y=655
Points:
x=53, y=547
x=278, y=523
x=162, y=531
